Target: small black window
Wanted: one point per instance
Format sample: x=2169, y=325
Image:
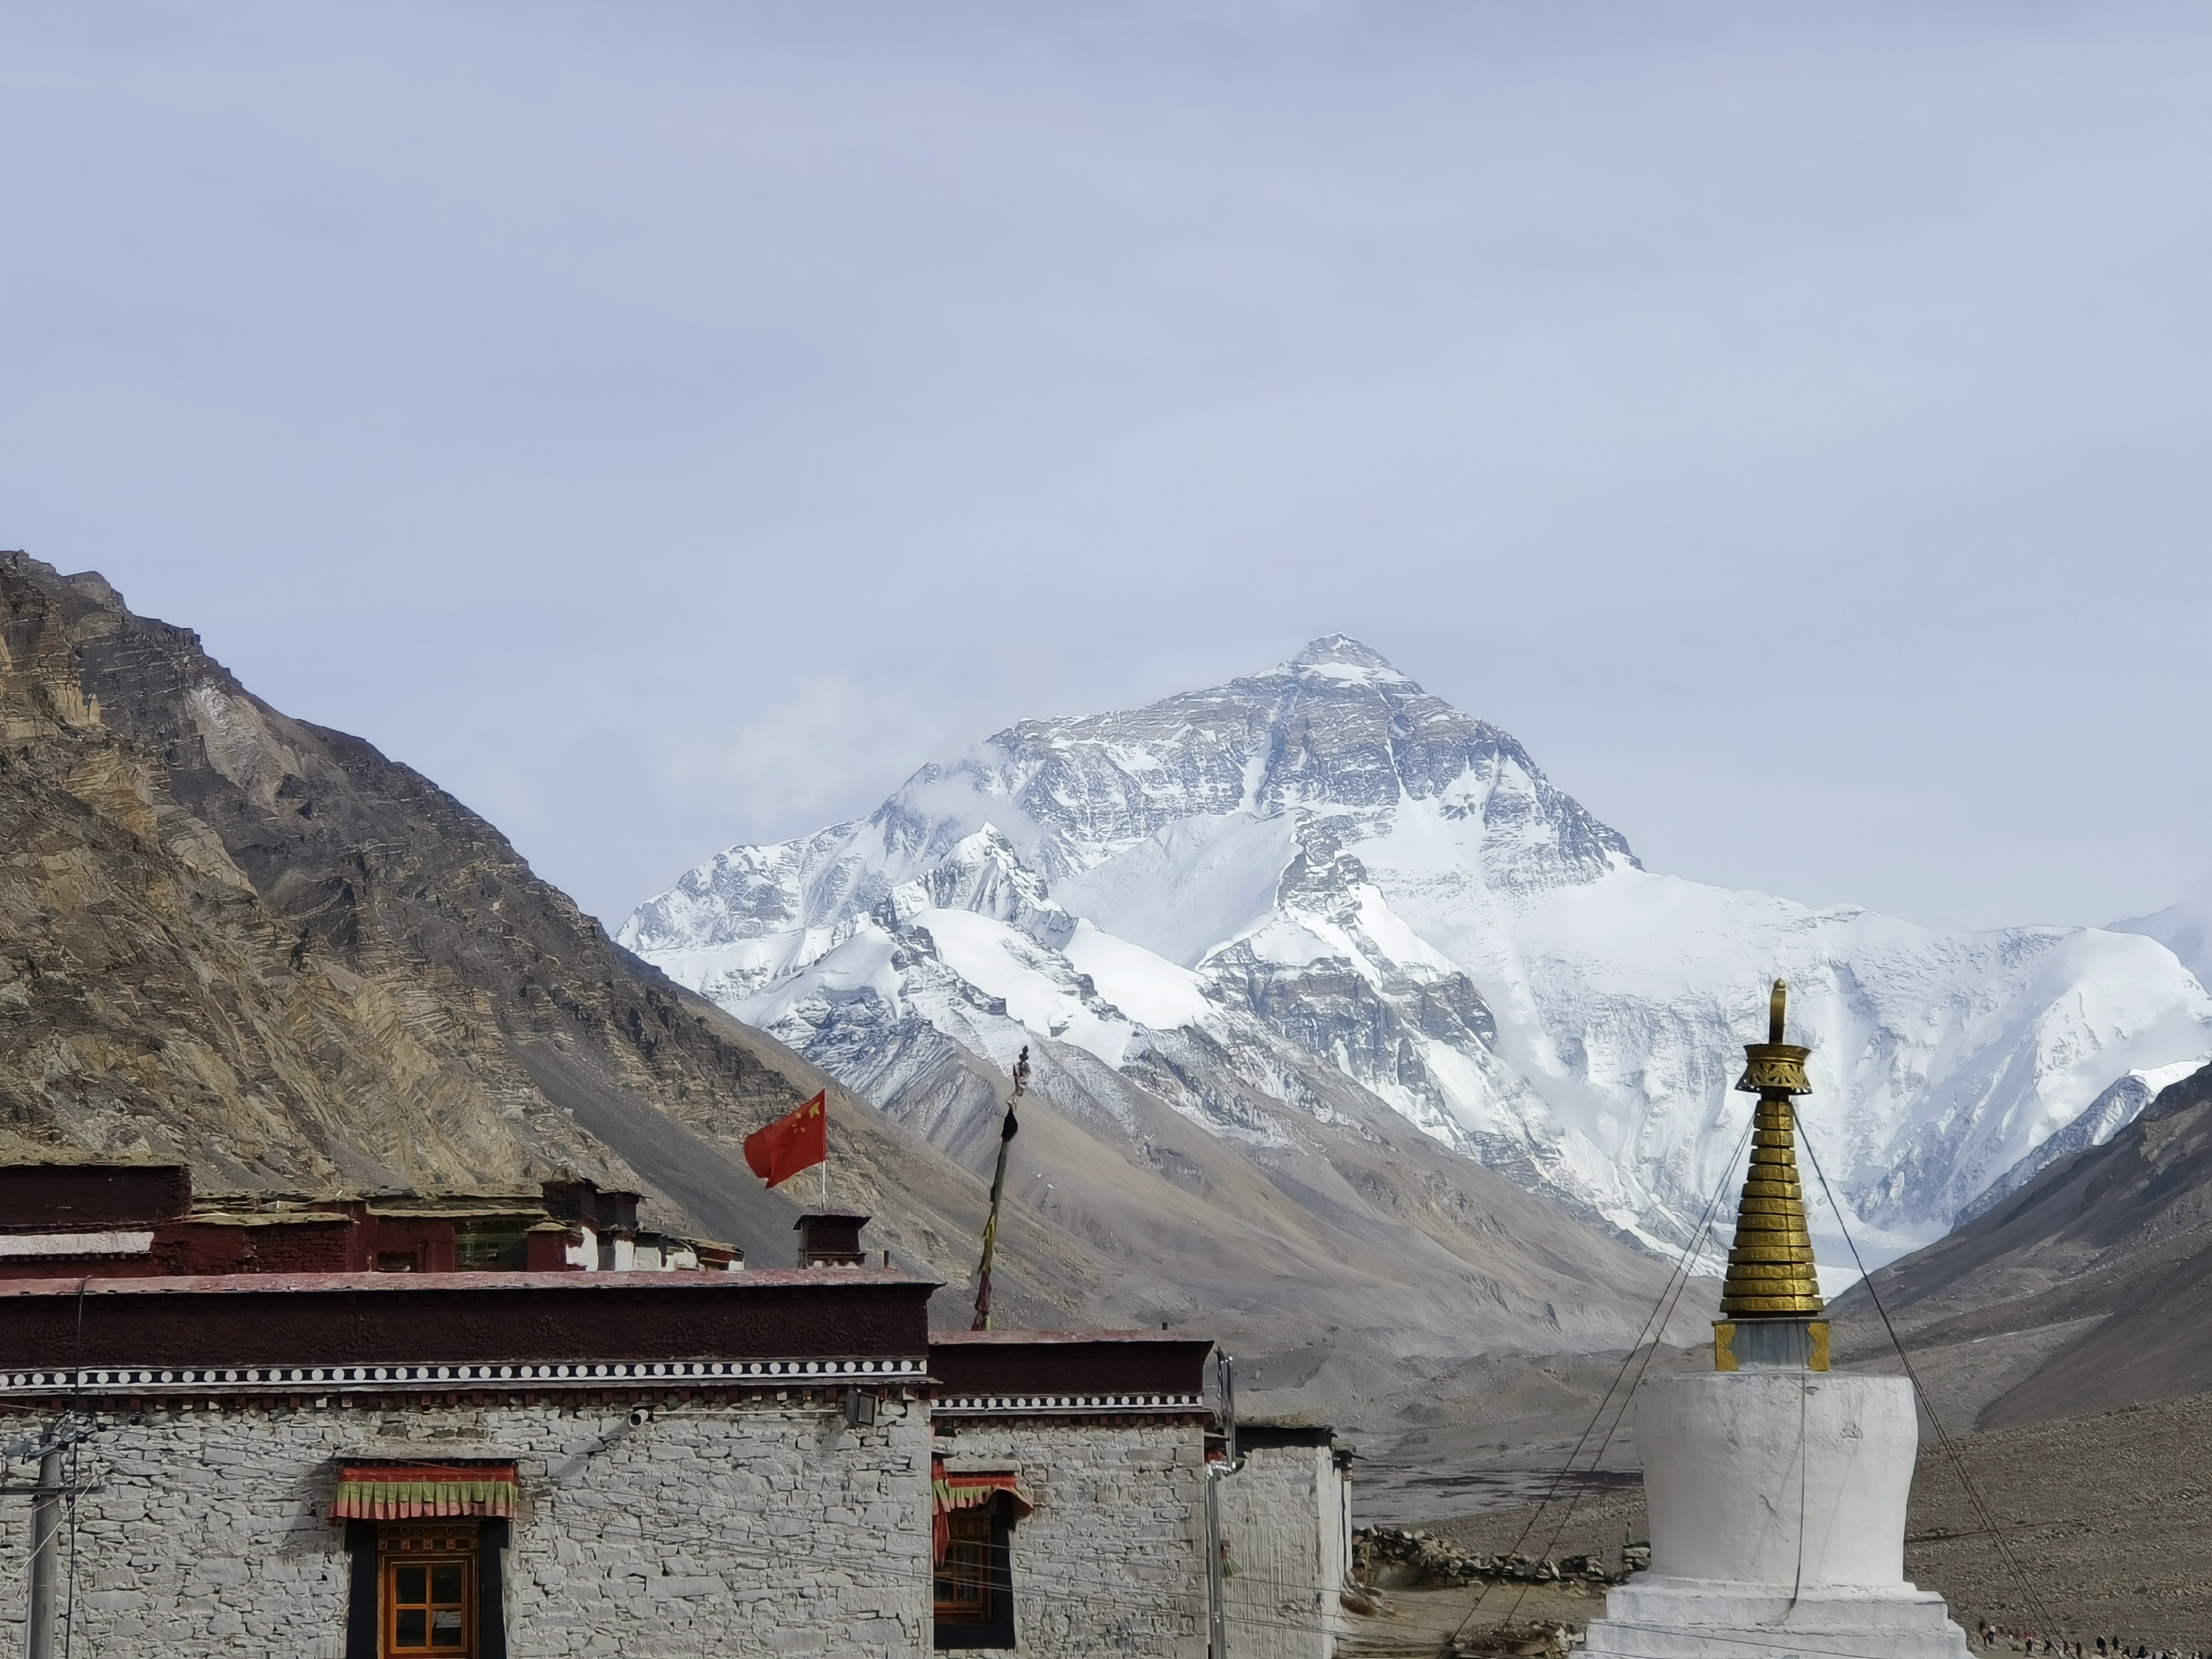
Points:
x=426, y=1590
x=963, y=1577
x=974, y=1582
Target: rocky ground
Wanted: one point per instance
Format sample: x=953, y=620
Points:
x=2104, y=1517
x=1458, y=1438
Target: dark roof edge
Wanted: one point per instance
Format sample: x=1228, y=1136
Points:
x=829, y=1280
x=1023, y=1338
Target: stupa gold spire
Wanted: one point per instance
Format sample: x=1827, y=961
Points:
x=1769, y=1273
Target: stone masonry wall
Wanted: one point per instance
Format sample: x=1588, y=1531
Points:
x=1113, y=1561
x=1282, y=1519
x=757, y=1530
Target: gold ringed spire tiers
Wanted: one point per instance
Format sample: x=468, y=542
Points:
x=1771, y=1303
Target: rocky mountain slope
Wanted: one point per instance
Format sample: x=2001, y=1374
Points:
x=238, y=938
x=257, y=944
x=1302, y=903
x=2088, y=1291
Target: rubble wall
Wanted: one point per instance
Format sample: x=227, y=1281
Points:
x=1113, y=1561
x=1282, y=1521
x=757, y=1529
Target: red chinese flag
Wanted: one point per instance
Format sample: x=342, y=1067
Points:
x=797, y=1140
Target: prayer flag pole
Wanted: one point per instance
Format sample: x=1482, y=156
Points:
x=998, y=1187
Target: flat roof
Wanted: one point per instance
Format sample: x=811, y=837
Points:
x=262, y=1218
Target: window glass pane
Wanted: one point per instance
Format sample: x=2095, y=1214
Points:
x=963, y=1591
x=427, y=1593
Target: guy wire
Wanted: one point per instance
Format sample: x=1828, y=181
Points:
x=1928, y=1405
x=1678, y=1281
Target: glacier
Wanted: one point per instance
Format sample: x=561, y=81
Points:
x=1323, y=866
x=2185, y=927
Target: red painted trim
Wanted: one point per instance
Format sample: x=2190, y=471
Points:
x=354, y=1319
x=1068, y=1362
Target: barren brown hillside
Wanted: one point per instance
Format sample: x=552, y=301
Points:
x=258, y=945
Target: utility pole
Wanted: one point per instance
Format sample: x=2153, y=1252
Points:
x=46, y=1556
x=1217, y=1588
x=49, y=1446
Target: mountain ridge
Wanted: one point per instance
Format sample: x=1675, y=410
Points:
x=261, y=946
x=258, y=946
x=2185, y=927
x=1500, y=968
x=2094, y=1280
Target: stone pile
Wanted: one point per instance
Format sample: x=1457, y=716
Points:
x=1420, y=1560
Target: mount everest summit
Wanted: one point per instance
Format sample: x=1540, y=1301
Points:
x=1250, y=899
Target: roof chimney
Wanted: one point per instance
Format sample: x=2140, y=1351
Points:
x=831, y=1239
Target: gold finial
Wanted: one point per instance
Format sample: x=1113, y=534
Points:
x=1775, y=1067
x=1770, y=1273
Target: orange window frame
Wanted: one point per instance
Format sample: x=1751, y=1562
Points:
x=426, y=1571
x=962, y=1580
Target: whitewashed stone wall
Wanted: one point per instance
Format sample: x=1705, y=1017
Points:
x=768, y=1530
x=1283, y=1519
x=1113, y=1559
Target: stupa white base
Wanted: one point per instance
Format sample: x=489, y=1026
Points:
x=1692, y=1618
x=1777, y=1523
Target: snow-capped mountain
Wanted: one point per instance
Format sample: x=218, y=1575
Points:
x=2185, y=928
x=1243, y=898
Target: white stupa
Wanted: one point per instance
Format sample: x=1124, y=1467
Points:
x=1777, y=1488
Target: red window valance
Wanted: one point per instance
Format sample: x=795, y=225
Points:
x=965, y=1490
x=415, y=1492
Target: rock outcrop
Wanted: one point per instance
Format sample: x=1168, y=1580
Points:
x=1396, y=1557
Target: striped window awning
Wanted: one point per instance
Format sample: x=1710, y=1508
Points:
x=964, y=1491
x=418, y=1491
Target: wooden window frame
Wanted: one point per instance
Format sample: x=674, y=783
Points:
x=426, y=1545
x=989, y=1624
x=364, y=1619
x=970, y=1531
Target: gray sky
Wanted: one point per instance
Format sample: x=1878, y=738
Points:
x=668, y=425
